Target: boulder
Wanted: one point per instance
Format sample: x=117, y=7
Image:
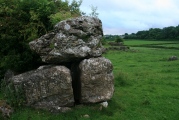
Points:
x=172, y=58
x=96, y=79
x=48, y=87
x=71, y=40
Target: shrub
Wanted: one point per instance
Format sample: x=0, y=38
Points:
x=118, y=39
x=22, y=21
x=14, y=96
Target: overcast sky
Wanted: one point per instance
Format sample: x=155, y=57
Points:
x=130, y=16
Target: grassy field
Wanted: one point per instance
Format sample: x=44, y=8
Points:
x=146, y=87
x=144, y=42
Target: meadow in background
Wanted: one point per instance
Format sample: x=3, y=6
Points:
x=146, y=86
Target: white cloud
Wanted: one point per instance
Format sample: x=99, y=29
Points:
x=127, y=16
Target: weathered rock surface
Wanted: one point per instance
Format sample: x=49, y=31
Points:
x=71, y=40
x=75, y=43
x=96, y=78
x=172, y=58
x=48, y=87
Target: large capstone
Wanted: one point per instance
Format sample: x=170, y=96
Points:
x=71, y=40
x=48, y=87
x=96, y=79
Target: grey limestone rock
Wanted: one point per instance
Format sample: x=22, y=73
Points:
x=48, y=87
x=75, y=43
x=96, y=78
x=172, y=58
x=72, y=39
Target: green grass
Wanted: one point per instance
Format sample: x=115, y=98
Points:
x=171, y=45
x=152, y=90
x=146, y=88
x=153, y=44
x=142, y=42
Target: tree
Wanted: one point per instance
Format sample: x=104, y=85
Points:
x=166, y=33
x=75, y=7
x=142, y=34
x=22, y=21
x=154, y=33
x=94, y=12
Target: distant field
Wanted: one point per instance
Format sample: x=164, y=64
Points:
x=146, y=87
x=142, y=42
x=153, y=44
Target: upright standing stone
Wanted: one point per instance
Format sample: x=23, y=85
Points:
x=96, y=78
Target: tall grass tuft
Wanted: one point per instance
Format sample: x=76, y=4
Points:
x=121, y=79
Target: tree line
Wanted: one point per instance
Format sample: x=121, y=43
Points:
x=22, y=21
x=166, y=33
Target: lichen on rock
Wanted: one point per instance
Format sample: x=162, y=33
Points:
x=47, y=87
x=96, y=78
x=71, y=39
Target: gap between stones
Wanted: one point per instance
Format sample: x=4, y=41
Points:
x=75, y=75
